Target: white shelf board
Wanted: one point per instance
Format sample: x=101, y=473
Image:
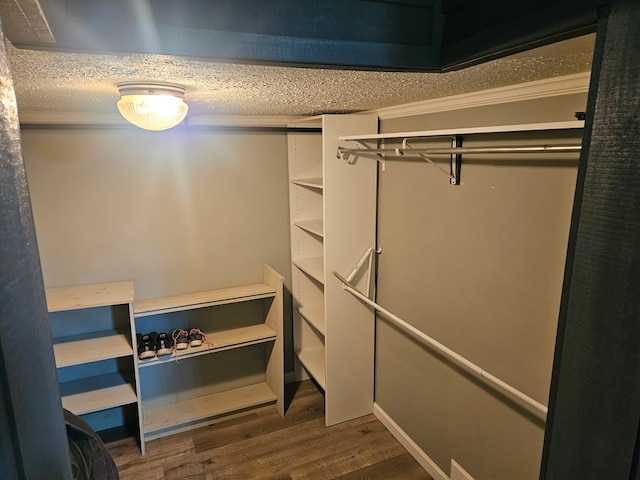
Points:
x=91, y=347
x=209, y=298
x=88, y=296
x=165, y=417
x=316, y=183
x=314, y=315
x=528, y=127
x=315, y=226
x=314, y=362
x=313, y=267
x=226, y=340
x=93, y=394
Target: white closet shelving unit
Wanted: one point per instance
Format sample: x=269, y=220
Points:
x=241, y=367
x=101, y=379
x=332, y=208
x=92, y=329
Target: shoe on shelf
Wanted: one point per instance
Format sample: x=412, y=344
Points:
x=196, y=337
x=164, y=344
x=146, y=346
x=180, y=338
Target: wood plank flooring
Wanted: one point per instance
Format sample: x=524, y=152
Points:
x=263, y=445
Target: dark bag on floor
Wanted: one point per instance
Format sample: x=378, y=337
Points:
x=90, y=459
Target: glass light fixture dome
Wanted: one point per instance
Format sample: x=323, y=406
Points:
x=152, y=106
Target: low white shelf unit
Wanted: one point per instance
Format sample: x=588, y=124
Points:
x=239, y=367
x=93, y=344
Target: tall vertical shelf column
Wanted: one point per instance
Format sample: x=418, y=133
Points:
x=333, y=223
x=93, y=342
x=307, y=248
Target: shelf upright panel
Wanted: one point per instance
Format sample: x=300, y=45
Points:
x=333, y=334
x=350, y=229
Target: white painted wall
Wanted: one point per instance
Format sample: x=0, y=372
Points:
x=177, y=211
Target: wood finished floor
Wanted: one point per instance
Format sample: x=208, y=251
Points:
x=263, y=445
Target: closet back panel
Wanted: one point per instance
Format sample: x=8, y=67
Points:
x=177, y=211
x=204, y=375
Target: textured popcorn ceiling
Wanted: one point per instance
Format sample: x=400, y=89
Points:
x=57, y=82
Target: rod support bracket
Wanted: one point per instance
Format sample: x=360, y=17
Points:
x=455, y=161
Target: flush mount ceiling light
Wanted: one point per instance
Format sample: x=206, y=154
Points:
x=152, y=106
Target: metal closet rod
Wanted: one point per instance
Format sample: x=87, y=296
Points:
x=495, y=382
x=406, y=152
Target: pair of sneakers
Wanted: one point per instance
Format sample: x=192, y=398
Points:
x=183, y=339
x=154, y=344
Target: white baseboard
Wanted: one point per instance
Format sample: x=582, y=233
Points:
x=459, y=473
x=416, y=452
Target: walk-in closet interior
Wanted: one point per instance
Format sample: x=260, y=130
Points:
x=424, y=208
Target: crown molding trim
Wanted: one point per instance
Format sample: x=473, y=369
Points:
x=565, y=85
x=108, y=120
x=241, y=121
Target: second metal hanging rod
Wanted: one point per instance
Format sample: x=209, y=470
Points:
x=400, y=152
